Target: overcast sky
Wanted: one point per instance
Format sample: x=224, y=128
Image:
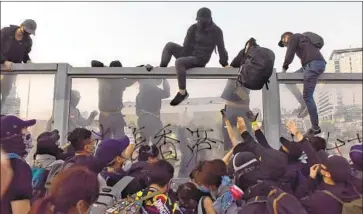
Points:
x=135, y=33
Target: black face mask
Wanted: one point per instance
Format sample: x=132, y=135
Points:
x=203, y=23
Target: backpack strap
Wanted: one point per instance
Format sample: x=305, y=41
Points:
x=200, y=205
x=277, y=199
x=333, y=196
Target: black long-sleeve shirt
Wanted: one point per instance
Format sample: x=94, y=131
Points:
x=202, y=42
x=13, y=50
x=304, y=49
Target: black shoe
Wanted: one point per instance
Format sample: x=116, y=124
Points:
x=179, y=98
x=311, y=132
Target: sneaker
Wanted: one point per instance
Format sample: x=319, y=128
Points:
x=303, y=113
x=311, y=132
x=179, y=98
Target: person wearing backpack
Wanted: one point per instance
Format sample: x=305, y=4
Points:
x=114, y=171
x=336, y=195
x=201, y=40
x=46, y=156
x=14, y=142
x=307, y=47
x=193, y=201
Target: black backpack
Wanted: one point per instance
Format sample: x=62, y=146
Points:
x=257, y=66
x=315, y=39
x=278, y=202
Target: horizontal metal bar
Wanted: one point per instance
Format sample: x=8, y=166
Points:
x=132, y=72
x=326, y=77
x=31, y=67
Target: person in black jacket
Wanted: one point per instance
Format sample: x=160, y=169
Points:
x=16, y=45
x=110, y=103
x=199, y=43
x=313, y=64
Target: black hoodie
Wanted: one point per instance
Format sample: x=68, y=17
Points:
x=201, y=43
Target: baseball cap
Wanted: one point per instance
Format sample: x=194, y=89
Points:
x=108, y=149
x=204, y=14
x=356, y=154
x=281, y=43
x=12, y=125
x=338, y=167
x=29, y=26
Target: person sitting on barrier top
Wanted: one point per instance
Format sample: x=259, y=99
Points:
x=307, y=48
x=198, y=46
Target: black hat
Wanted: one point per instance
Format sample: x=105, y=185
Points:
x=338, y=167
x=241, y=161
x=281, y=43
x=204, y=14
x=293, y=148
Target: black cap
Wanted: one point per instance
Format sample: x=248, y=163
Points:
x=29, y=26
x=338, y=167
x=281, y=43
x=204, y=14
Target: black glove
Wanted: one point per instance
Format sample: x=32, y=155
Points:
x=223, y=112
x=251, y=117
x=149, y=67
x=285, y=67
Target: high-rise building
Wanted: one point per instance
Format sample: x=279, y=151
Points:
x=12, y=103
x=333, y=101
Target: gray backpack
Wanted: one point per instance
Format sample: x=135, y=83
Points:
x=315, y=39
x=109, y=195
x=57, y=168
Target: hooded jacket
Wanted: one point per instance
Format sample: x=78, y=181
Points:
x=319, y=202
x=46, y=161
x=201, y=43
x=22, y=49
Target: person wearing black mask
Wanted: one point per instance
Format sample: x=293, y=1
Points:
x=16, y=45
x=199, y=43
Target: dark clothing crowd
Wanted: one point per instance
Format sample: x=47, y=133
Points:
x=252, y=177
x=100, y=175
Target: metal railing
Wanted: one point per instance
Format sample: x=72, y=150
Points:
x=270, y=98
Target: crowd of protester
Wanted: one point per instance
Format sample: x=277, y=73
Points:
x=252, y=177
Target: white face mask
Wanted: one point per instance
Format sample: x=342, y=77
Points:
x=28, y=141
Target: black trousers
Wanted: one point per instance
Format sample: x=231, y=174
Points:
x=182, y=63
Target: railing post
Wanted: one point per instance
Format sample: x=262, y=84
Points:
x=271, y=111
x=62, y=89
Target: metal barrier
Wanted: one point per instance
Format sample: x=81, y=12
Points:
x=271, y=105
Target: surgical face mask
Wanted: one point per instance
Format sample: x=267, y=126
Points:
x=27, y=139
x=203, y=189
x=127, y=165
